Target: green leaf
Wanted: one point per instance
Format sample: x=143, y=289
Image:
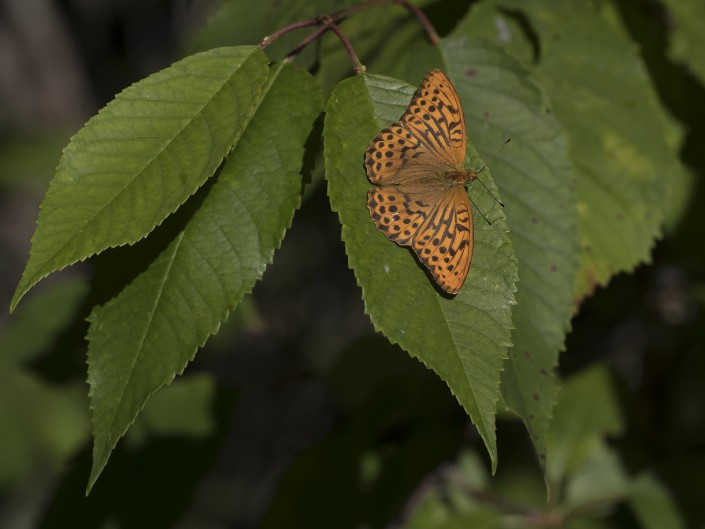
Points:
x=463, y=339
x=147, y=334
x=535, y=175
x=621, y=140
x=142, y=156
x=586, y=412
x=182, y=408
x=687, y=39
x=599, y=480
x=36, y=326
x=42, y=425
x=652, y=503
x=681, y=179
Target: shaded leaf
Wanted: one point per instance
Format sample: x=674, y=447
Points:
x=600, y=479
x=535, y=175
x=42, y=425
x=181, y=408
x=652, y=503
x=586, y=412
x=687, y=39
x=621, y=140
x=35, y=326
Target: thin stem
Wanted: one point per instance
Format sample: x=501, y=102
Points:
x=336, y=16
x=358, y=66
x=308, y=40
x=266, y=41
x=331, y=21
x=425, y=22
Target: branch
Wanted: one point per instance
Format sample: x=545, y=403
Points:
x=331, y=21
x=266, y=41
x=308, y=40
x=358, y=66
x=336, y=17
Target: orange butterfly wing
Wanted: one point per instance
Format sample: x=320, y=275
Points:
x=436, y=115
x=421, y=201
x=437, y=224
x=444, y=243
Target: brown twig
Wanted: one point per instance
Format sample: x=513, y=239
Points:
x=308, y=40
x=358, y=66
x=266, y=41
x=331, y=21
x=335, y=16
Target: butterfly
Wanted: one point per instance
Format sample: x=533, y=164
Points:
x=420, y=199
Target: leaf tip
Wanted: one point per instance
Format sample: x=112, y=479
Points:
x=96, y=471
x=494, y=462
x=20, y=291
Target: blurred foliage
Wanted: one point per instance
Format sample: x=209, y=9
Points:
x=297, y=414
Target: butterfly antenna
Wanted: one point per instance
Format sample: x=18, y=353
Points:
x=484, y=166
x=480, y=212
x=490, y=193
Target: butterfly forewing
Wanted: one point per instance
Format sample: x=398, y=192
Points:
x=396, y=156
x=435, y=116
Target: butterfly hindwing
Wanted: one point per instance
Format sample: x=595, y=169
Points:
x=398, y=212
x=436, y=223
x=445, y=241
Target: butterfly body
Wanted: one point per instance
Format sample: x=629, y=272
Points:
x=420, y=199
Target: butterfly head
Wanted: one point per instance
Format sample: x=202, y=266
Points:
x=465, y=177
